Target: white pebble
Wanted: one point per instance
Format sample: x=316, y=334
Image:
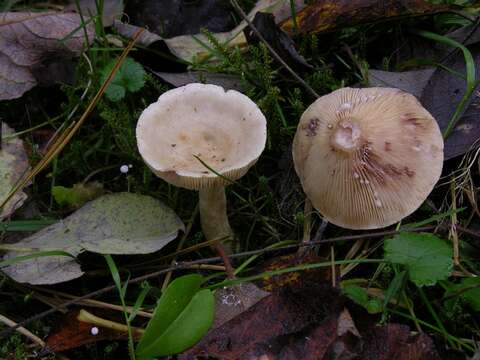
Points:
x=124, y=169
x=94, y=331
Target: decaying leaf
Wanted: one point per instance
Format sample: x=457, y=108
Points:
x=170, y=18
x=226, y=81
x=265, y=327
x=441, y=97
x=308, y=322
x=327, y=15
x=294, y=278
x=278, y=40
x=13, y=163
x=233, y=300
x=30, y=38
x=440, y=92
x=189, y=47
x=413, y=82
x=69, y=333
x=121, y=223
x=394, y=341
x=112, y=9
x=77, y=195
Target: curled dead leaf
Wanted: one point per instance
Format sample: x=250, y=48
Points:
x=30, y=38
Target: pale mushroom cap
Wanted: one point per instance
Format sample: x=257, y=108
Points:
x=367, y=158
x=225, y=129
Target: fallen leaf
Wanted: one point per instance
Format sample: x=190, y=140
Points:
x=439, y=91
x=190, y=47
x=77, y=195
x=413, y=82
x=30, y=38
x=13, y=163
x=226, y=81
x=441, y=98
x=327, y=15
x=233, y=300
x=295, y=278
x=69, y=333
x=170, y=18
x=277, y=39
x=394, y=341
x=308, y=322
x=112, y=9
x=265, y=326
x=121, y=223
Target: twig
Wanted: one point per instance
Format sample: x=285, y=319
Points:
x=271, y=49
x=21, y=330
x=180, y=245
x=89, y=318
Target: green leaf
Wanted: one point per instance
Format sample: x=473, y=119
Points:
x=77, y=195
x=469, y=289
x=360, y=296
x=374, y=306
x=183, y=315
x=130, y=77
x=427, y=258
x=357, y=294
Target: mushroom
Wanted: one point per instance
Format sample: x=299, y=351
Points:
x=369, y=157
x=197, y=128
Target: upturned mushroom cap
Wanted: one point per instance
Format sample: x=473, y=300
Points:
x=225, y=129
x=367, y=158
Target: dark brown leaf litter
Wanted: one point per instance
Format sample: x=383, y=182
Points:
x=308, y=323
x=319, y=275
x=278, y=40
x=272, y=322
x=70, y=333
x=170, y=18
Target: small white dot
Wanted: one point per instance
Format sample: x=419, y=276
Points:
x=355, y=175
x=94, y=331
x=367, y=182
x=124, y=169
x=378, y=203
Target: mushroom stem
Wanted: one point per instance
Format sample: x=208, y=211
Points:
x=214, y=219
x=213, y=213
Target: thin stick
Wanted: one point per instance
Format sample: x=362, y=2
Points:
x=453, y=229
x=271, y=49
x=180, y=245
x=22, y=330
x=332, y=257
x=89, y=318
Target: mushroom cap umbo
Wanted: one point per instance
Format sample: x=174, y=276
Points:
x=225, y=129
x=367, y=158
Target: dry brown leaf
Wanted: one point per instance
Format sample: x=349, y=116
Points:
x=28, y=39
